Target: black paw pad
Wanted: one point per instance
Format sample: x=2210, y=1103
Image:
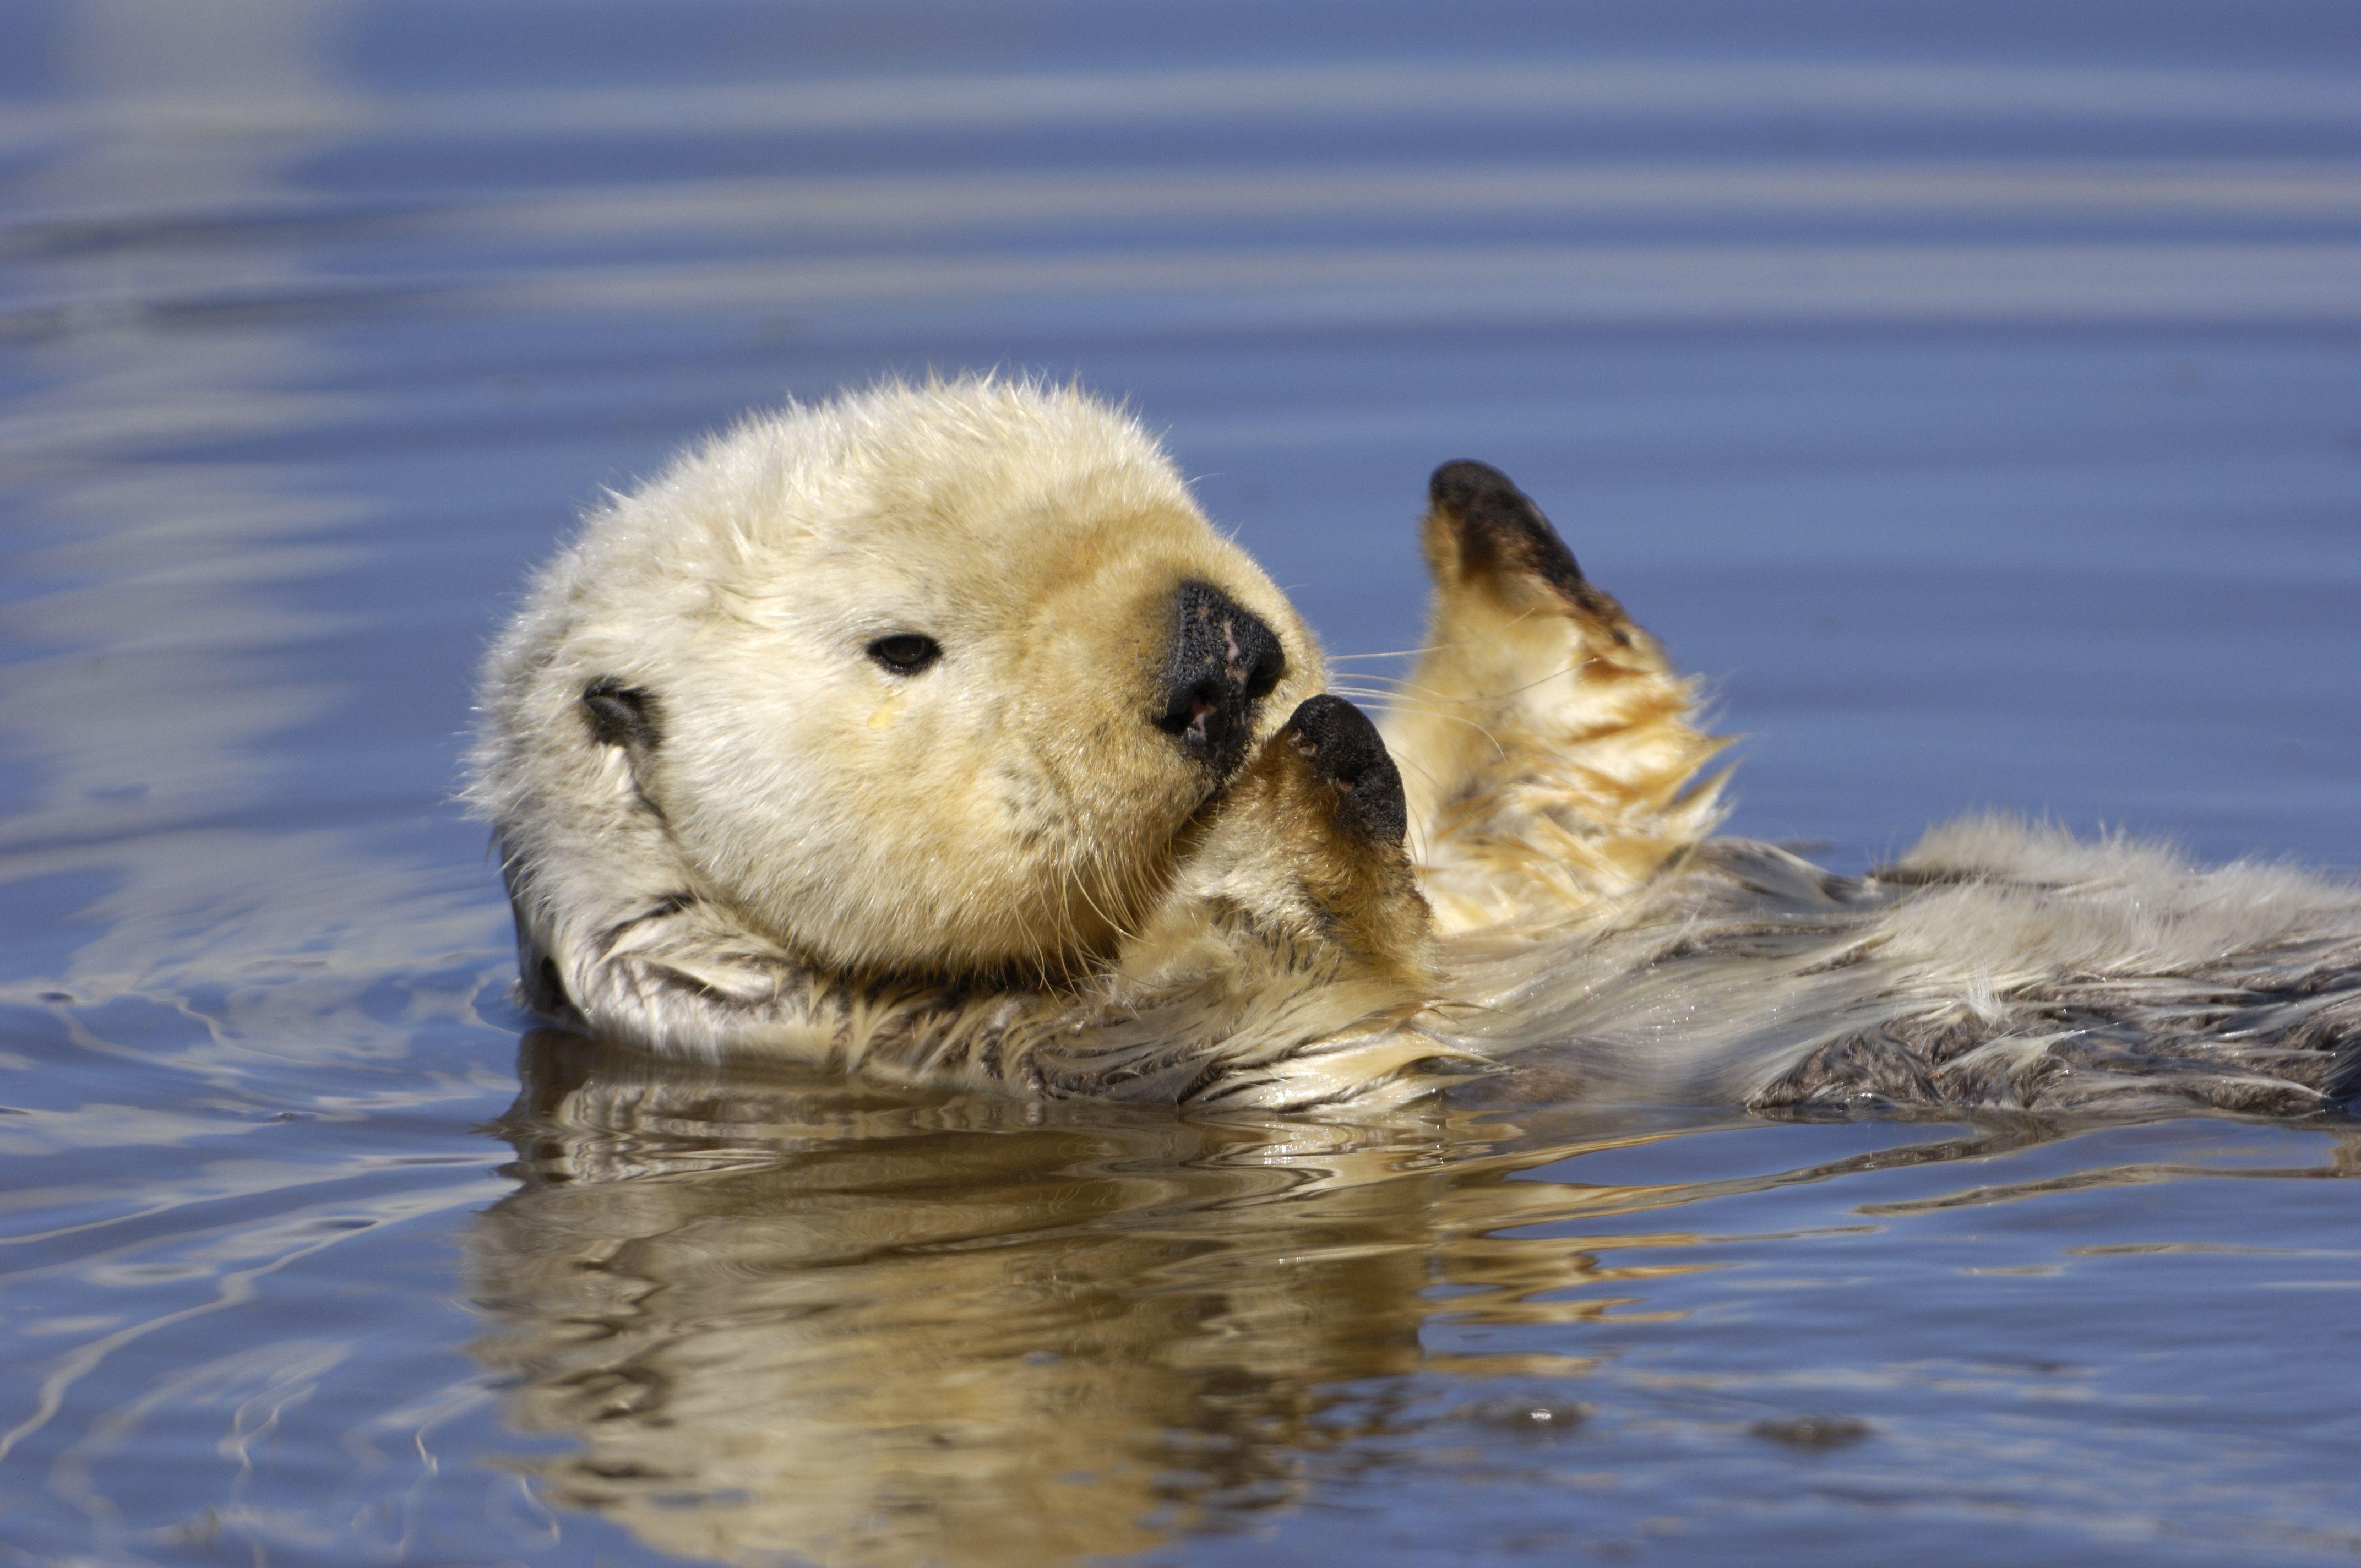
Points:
x=1347, y=753
x=1499, y=528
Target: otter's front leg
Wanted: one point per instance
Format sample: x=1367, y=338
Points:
x=1548, y=745
x=1292, y=961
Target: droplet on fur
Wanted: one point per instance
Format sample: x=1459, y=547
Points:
x=1812, y=1432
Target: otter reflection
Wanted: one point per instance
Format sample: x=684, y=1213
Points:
x=784, y=1318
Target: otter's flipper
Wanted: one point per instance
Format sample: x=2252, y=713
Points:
x=1546, y=742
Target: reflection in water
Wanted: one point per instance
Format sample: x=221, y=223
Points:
x=784, y=1317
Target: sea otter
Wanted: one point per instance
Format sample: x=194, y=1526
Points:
x=933, y=734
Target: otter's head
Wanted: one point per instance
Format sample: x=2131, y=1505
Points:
x=926, y=680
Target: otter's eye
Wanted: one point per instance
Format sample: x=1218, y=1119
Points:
x=905, y=652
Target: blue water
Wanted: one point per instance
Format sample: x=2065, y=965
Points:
x=1973, y=394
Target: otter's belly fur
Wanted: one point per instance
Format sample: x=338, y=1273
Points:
x=932, y=734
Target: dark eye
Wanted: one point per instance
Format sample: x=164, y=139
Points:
x=905, y=652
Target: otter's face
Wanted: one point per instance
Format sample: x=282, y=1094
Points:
x=956, y=730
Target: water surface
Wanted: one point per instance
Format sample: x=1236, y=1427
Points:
x=1976, y=399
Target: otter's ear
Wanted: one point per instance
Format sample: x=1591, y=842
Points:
x=1536, y=697
x=620, y=715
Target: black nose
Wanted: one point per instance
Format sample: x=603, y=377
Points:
x=1223, y=660
x=1345, y=752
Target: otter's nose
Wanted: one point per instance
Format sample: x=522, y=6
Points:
x=1223, y=661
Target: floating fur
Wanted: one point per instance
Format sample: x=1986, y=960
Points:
x=932, y=734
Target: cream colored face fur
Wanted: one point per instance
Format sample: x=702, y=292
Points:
x=1012, y=806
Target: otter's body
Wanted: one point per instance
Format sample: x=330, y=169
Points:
x=933, y=734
